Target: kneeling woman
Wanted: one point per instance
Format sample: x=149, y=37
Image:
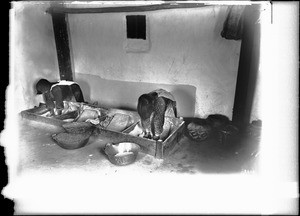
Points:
x=57, y=92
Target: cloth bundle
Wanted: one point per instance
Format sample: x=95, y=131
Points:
x=233, y=25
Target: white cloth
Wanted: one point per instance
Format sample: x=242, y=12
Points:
x=63, y=82
x=164, y=93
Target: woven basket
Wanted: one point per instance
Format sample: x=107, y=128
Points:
x=78, y=127
x=71, y=140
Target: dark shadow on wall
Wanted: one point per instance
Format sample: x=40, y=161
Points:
x=124, y=95
x=85, y=88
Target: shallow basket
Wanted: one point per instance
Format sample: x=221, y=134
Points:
x=71, y=141
x=203, y=132
x=112, y=150
x=78, y=127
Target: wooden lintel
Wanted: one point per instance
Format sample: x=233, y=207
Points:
x=142, y=8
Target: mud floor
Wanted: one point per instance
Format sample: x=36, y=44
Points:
x=39, y=151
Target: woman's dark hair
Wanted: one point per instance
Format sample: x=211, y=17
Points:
x=42, y=86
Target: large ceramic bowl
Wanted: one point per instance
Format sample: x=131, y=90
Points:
x=123, y=153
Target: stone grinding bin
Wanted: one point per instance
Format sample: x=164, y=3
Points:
x=157, y=149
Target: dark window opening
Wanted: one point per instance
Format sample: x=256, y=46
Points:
x=136, y=26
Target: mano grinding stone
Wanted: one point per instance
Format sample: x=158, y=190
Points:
x=119, y=122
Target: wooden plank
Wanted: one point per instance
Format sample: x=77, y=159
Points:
x=62, y=46
x=162, y=149
x=142, y=8
x=173, y=140
x=248, y=67
x=38, y=118
x=147, y=146
x=159, y=150
x=130, y=128
x=38, y=110
x=151, y=147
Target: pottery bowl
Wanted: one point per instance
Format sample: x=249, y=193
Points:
x=123, y=153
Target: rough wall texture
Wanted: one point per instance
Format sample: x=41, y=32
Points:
x=256, y=112
x=186, y=49
x=124, y=95
x=34, y=52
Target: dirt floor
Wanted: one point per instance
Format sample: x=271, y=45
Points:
x=40, y=152
x=55, y=180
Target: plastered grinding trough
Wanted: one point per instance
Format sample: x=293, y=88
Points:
x=157, y=149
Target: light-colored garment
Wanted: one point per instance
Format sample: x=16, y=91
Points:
x=63, y=82
x=164, y=93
